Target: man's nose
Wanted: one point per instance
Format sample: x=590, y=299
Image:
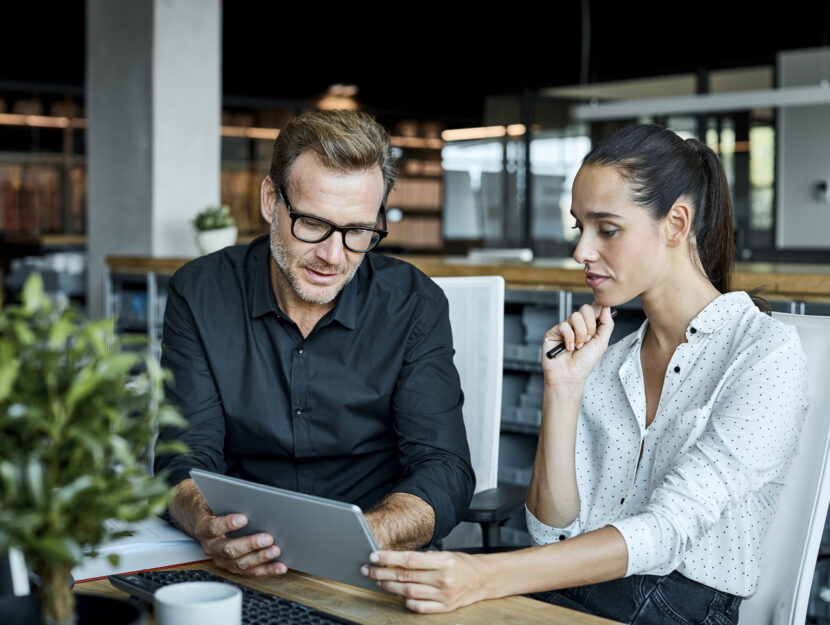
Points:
x=332, y=250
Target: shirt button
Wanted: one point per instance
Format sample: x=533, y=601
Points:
x=677, y=369
x=622, y=501
x=299, y=412
x=562, y=537
x=692, y=331
x=300, y=350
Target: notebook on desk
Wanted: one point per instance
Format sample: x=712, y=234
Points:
x=316, y=535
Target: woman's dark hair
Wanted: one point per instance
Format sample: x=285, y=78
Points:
x=660, y=168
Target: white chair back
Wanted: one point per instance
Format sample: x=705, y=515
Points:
x=477, y=320
x=790, y=548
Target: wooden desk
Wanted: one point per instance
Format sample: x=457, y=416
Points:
x=370, y=608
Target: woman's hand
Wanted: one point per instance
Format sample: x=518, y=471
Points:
x=432, y=581
x=585, y=335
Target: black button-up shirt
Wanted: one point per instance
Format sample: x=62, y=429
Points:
x=367, y=405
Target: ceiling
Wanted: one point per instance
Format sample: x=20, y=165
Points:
x=441, y=61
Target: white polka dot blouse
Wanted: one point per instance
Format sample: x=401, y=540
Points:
x=703, y=494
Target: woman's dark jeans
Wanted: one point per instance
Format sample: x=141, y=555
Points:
x=650, y=600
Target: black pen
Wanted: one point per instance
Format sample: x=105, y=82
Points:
x=554, y=352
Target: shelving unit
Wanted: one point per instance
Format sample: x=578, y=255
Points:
x=43, y=189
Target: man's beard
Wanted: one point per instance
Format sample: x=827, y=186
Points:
x=283, y=259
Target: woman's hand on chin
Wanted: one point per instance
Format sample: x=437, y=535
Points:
x=585, y=335
x=432, y=581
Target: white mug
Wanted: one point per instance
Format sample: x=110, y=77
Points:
x=198, y=603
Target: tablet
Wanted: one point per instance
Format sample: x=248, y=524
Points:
x=316, y=535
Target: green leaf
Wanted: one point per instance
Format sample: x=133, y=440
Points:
x=33, y=296
x=9, y=368
x=60, y=332
x=34, y=480
x=113, y=558
x=61, y=548
x=66, y=494
x=11, y=479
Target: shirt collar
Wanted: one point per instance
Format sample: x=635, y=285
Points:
x=716, y=315
x=262, y=298
x=719, y=312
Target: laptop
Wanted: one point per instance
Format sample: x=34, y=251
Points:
x=316, y=535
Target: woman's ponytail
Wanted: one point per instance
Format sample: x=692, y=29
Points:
x=714, y=228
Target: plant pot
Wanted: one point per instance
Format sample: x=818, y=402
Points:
x=89, y=609
x=20, y=610
x=214, y=240
x=98, y=610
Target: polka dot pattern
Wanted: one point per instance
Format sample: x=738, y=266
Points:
x=713, y=460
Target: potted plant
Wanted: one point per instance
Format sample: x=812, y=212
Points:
x=79, y=412
x=215, y=228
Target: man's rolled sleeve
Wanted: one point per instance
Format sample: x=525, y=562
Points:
x=427, y=405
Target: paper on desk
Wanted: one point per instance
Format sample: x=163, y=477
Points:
x=152, y=543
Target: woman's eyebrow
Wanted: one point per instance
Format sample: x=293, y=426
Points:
x=598, y=215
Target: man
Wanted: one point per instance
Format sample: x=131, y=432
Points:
x=303, y=362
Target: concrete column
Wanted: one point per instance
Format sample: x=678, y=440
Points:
x=154, y=99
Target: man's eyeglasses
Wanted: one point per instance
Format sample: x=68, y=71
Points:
x=311, y=229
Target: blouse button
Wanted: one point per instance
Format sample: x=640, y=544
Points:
x=692, y=331
x=562, y=537
x=677, y=369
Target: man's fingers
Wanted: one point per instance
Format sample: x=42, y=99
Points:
x=257, y=558
x=235, y=548
x=259, y=570
x=221, y=525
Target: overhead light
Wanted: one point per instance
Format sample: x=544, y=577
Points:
x=249, y=132
x=41, y=121
x=705, y=103
x=484, y=132
x=463, y=134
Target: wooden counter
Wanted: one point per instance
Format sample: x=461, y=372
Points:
x=372, y=608
x=807, y=283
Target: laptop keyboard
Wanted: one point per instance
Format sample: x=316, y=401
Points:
x=258, y=608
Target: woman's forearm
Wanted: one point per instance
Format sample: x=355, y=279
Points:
x=552, y=496
x=590, y=558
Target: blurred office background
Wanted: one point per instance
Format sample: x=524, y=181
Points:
x=120, y=120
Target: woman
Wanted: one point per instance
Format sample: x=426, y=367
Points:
x=660, y=458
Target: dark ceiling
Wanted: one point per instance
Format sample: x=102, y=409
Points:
x=441, y=60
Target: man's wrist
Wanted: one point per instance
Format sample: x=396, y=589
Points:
x=401, y=521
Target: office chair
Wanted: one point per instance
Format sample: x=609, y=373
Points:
x=477, y=319
x=790, y=548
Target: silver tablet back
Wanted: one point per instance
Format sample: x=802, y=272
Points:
x=316, y=535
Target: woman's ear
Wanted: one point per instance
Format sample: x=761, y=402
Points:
x=677, y=223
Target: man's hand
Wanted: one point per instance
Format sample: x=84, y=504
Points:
x=248, y=555
x=401, y=521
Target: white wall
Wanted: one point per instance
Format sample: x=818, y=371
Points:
x=802, y=220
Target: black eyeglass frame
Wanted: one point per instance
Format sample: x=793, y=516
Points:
x=333, y=227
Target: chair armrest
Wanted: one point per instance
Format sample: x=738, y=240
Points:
x=495, y=504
